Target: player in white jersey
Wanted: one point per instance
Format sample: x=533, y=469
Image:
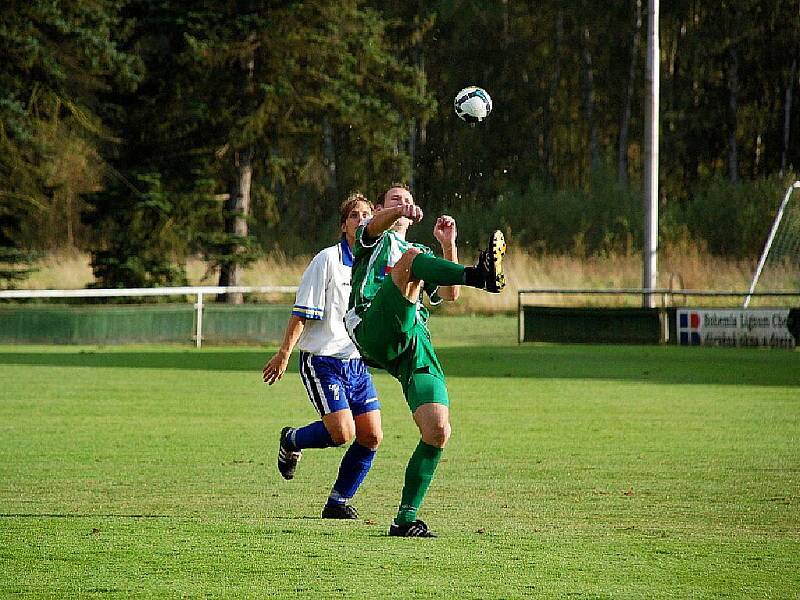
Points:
x=336, y=379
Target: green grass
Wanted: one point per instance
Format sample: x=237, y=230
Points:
x=573, y=472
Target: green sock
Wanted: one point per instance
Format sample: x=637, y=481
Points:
x=437, y=270
x=419, y=474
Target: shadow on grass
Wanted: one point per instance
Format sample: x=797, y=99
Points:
x=636, y=363
x=122, y=516
x=78, y=516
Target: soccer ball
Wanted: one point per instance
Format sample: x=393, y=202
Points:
x=473, y=104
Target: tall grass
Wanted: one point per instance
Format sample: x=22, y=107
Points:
x=60, y=270
x=681, y=266
x=686, y=267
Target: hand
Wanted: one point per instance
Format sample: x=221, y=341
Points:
x=445, y=230
x=275, y=368
x=412, y=212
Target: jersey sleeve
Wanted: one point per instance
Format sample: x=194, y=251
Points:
x=309, y=303
x=425, y=249
x=364, y=244
x=433, y=293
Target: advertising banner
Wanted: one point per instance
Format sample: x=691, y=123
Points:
x=734, y=327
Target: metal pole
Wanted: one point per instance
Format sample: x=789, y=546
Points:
x=199, y=330
x=651, y=120
x=770, y=239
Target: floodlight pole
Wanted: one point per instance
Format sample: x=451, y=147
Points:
x=651, y=120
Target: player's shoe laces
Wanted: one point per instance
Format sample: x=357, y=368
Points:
x=287, y=458
x=416, y=528
x=339, y=511
x=490, y=263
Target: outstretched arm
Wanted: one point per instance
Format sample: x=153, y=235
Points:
x=276, y=366
x=445, y=232
x=386, y=217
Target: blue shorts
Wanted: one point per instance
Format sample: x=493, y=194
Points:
x=334, y=384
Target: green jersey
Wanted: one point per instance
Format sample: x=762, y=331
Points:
x=373, y=261
x=389, y=331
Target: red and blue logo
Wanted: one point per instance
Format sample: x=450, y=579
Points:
x=689, y=328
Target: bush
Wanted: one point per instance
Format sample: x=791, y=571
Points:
x=605, y=218
x=734, y=218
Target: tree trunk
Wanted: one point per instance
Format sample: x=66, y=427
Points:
x=624, y=127
x=412, y=151
x=787, y=116
x=588, y=98
x=70, y=217
x=548, y=143
x=417, y=134
x=237, y=208
x=329, y=153
x=733, y=101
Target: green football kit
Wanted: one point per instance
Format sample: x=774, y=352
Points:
x=390, y=330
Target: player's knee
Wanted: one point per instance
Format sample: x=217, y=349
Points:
x=342, y=433
x=370, y=439
x=401, y=271
x=437, y=434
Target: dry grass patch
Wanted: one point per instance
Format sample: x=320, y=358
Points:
x=685, y=266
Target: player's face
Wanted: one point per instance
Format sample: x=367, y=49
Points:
x=397, y=197
x=358, y=213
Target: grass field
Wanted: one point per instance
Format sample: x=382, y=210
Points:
x=573, y=472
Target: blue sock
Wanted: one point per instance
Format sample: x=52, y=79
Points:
x=354, y=468
x=313, y=435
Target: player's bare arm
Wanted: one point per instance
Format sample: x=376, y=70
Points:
x=385, y=218
x=445, y=232
x=276, y=366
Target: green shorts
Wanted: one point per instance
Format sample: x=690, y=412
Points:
x=391, y=336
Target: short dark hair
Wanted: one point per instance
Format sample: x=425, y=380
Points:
x=346, y=206
x=382, y=197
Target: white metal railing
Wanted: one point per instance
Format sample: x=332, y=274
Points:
x=667, y=295
x=198, y=291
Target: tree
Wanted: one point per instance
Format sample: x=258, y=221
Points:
x=633, y=76
x=57, y=57
x=292, y=85
x=159, y=195
x=15, y=262
x=227, y=128
x=265, y=106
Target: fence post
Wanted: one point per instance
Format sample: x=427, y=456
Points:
x=199, y=330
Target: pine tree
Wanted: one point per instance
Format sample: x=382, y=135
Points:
x=294, y=84
x=56, y=58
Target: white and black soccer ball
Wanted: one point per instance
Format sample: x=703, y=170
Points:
x=473, y=104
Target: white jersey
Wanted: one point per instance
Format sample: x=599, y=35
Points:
x=322, y=299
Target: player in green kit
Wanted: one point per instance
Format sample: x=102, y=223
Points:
x=387, y=321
